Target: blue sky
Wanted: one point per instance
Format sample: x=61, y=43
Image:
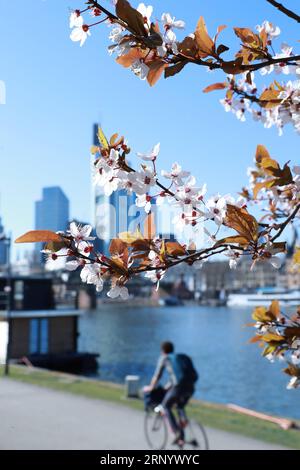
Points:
x=55, y=90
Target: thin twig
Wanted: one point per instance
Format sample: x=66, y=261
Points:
x=286, y=222
x=197, y=256
x=284, y=10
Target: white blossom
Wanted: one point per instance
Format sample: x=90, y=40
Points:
x=91, y=274
x=76, y=19
x=271, y=30
x=116, y=33
x=81, y=235
x=74, y=264
x=150, y=156
x=140, y=69
x=146, y=12
x=80, y=31
x=293, y=383
x=146, y=178
x=216, y=207
x=144, y=201
x=233, y=256
x=170, y=24
x=295, y=357
x=177, y=175
x=155, y=276
x=118, y=291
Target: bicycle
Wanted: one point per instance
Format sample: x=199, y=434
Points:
x=156, y=431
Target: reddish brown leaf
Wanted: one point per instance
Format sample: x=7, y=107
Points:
x=274, y=308
x=37, y=236
x=261, y=152
x=215, y=86
x=117, y=246
x=255, y=339
x=174, y=249
x=292, y=370
x=233, y=66
x=56, y=246
x=113, y=139
x=189, y=48
x=270, y=98
x=204, y=41
x=174, y=69
x=127, y=59
x=156, y=69
x=240, y=220
x=292, y=331
x=243, y=241
x=260, y=314
x=221, y=49
x=155, y=38
x=131, y=16
x=270, y=167
x=219, y=30
x=247, y=36
x=273, y=337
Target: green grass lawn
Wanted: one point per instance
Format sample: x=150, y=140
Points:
x=216, y=416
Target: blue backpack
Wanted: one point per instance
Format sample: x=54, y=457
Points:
x=186, y=369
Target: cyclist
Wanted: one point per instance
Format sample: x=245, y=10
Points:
x=180, y=388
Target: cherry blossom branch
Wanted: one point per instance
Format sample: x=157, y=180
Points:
x=158, y=183
x=197, y=256
x=291, y=60
x=286, y=11
x=110, y=15
x=180, y=58
x=279, y=334
x=251, y=97
x=254, y=99
x=151, y=50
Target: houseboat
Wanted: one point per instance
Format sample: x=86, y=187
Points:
x=39, y=333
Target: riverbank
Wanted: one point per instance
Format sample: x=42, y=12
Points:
x=212, y=415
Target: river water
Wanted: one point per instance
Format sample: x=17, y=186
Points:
x=231, y=370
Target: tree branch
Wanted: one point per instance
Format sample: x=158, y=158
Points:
x=286, y=222
x=181, y=58
x=197, y=256
x=285, y=10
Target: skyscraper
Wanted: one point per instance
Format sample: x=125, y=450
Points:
x=3, y=248
x=51, y=212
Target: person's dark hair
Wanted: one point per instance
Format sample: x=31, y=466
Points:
x=167, y=347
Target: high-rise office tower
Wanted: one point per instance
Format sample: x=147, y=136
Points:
x=51, y=212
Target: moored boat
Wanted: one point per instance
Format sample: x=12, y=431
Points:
x=264, y=297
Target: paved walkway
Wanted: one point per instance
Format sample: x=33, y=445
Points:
x=32, y=417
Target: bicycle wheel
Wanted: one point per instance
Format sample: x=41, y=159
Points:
x=156, y=431
x=195, y=436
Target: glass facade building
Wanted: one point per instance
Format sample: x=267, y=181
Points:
x=51, y=212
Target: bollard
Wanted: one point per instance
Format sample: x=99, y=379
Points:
x=132, y=383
